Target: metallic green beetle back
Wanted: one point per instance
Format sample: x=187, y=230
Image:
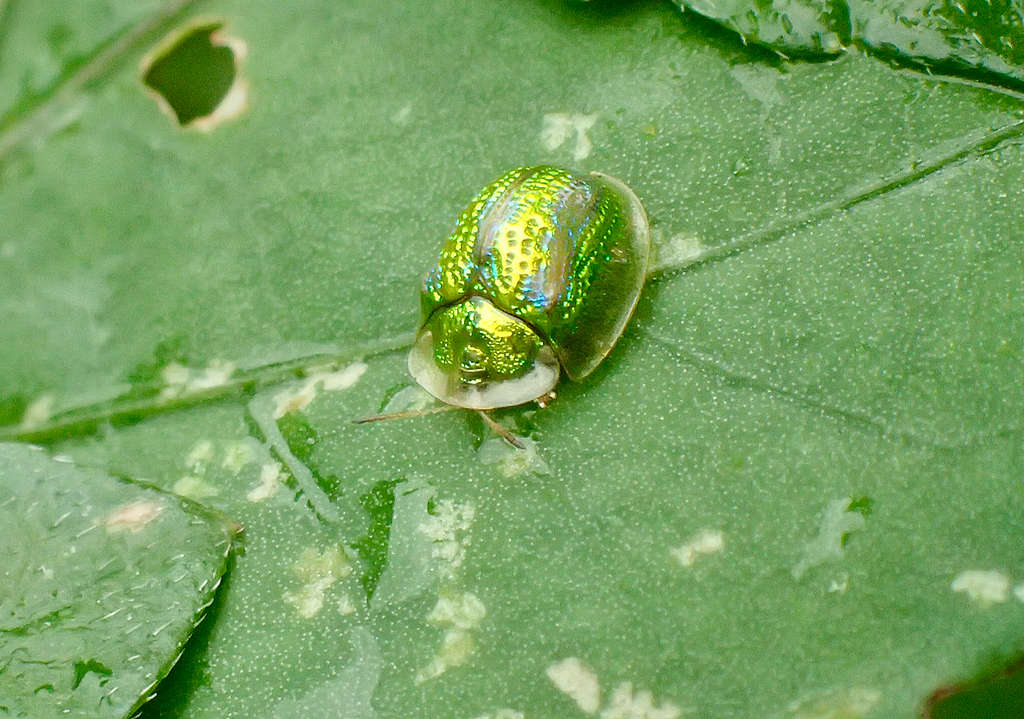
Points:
x=565, y=254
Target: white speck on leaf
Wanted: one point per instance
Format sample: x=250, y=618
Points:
x=216, y=374
x=402, y=115
x=837, y=522
x=845, y=703
x=181, y=381
x=461, y=610
x=133, y=517
x=577, y=681
x=201, y=453
x=559, y=127
x=345, y=606
x=983, y=586
x=456, y=648
x=625, y=704
x=511, y=461
x=343, y=378
x=270, y=482
x=503, y=714
x=237, y=455
x=294, y=400
x=707, y=541
x=308, y=600
x=318, y=572
x=175, y=374
x=839, y=584
x=38, y=412
x=460, y=613
x=447, y=528
x=194, y=488
x=297, y=399
x=677, y=251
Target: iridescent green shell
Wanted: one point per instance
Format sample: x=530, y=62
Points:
x=541, y=272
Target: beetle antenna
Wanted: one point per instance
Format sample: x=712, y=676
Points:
x=406, y=414
x=502, y=432
x=488, y=420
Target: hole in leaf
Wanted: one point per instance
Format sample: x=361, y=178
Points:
x=194, y=75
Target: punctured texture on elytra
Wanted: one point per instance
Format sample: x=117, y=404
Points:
x=540, y=251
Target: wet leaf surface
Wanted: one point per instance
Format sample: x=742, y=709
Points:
x=972, y=37
x=104, y=581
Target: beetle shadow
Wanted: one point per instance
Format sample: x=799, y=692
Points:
x=587, y=14
x=191, y=670
x=594, y=12
x=621, y=353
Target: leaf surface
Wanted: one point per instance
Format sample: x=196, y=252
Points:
x=972, y=37
x=104, y=581
x=792, y=490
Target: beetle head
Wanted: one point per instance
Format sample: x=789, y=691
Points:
x=471, y=354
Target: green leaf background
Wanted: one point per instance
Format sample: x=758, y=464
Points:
x=104, y=581
x=794, y=488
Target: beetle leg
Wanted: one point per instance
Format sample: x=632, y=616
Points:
x=545, y=399
x=502, y=432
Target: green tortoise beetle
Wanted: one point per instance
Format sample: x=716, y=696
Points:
x=540, y=275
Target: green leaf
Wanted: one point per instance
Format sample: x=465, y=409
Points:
x=48, y=58
x=973, y=36
x=372, y=547
x=999, y=696
x=792, y=489
x=104, y=582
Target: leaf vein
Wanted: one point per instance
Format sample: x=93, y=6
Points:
x=53, y=107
